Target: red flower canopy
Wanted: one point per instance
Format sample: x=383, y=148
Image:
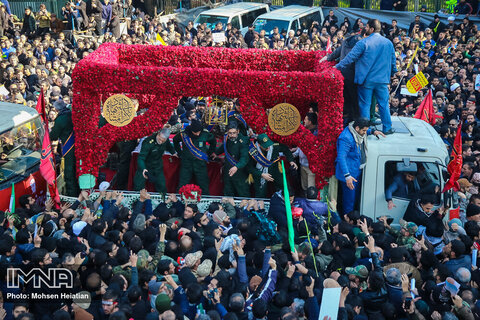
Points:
x=159, y=76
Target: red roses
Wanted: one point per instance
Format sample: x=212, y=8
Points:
x=191, y=192
x=158, y=76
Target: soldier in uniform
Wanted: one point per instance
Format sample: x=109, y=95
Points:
x=234, y=115
x=194, y=153
x=405, y=236
x=235, y=147
x=150, y=161
x=265, y=159
x=63, y=130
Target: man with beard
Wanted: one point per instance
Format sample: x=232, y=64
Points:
x=150, y=161
x=350, y=96
x=372, y=78
x=194, y=153
x=235, y=147
x=265, y=165
x=351, y=154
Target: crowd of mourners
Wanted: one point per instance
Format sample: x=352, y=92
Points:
x=232, y=260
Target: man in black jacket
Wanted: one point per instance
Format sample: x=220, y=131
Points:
x=96, y=12
x=350, y=96
x=376, y=294
x=437, y=26
x=400, y=5
x=420, y=211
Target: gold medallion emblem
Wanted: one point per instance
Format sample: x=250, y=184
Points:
x=284, y=119
x=119, y=110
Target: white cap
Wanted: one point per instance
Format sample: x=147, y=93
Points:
x=104, y=186
x=454, y=86
x=451, y=18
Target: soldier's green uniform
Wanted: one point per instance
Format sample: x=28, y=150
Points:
x=273, y=170
x=62, y=129
x=236, y=185
x=192, y=166
x=407, y=241
x=151, y=158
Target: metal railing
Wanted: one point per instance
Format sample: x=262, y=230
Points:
x=53, y=6
x=413, y=5
x=169, y=6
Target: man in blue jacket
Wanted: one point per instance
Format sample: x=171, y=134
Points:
x=351, y=154
x=404, y=185
x=374, y=58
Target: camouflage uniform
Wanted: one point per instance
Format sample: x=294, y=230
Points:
x=406, y=241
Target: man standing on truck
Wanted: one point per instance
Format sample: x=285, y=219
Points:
x=374, y=58
x=351, y=155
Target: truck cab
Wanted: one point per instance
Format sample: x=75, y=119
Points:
x=415, y=146
x=21, y=136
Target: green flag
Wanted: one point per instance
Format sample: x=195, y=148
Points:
x=288, y=210
x=11, y=207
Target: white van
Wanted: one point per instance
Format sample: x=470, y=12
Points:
x=240, y=15
x=289, y=18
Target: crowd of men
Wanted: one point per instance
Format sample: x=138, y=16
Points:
x=232, y=260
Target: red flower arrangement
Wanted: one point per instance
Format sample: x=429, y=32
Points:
x=186, y=192
x=158, y=76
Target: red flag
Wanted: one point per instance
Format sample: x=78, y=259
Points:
x=425, y=111
x=329, y=46
x=47, y=162
x=41, y=107
x=454, y=168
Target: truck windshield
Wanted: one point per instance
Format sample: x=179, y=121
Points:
x=20, y=149
x=410, y=185
x=211, y=20
x=269, y=24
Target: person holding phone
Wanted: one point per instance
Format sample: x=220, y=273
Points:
x=43, y=18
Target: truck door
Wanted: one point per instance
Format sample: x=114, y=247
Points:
x=427, y=180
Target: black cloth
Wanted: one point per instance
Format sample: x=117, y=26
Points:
x=414, y=213
x=29, y=25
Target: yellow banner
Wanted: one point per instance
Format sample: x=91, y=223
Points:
x=160, y=39
x=417, y=83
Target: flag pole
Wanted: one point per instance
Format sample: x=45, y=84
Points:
x=288, y=210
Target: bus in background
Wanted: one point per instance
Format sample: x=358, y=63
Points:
x=21, y=136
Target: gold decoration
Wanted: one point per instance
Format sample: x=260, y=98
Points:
x=119, y=110
x=216, y=113
x=284, y=119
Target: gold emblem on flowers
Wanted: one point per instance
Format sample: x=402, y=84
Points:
x=284, y=119
x=119, y=110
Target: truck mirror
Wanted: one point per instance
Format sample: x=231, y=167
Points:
x=406, y=166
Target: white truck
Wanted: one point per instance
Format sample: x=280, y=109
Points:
x=415, y=145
